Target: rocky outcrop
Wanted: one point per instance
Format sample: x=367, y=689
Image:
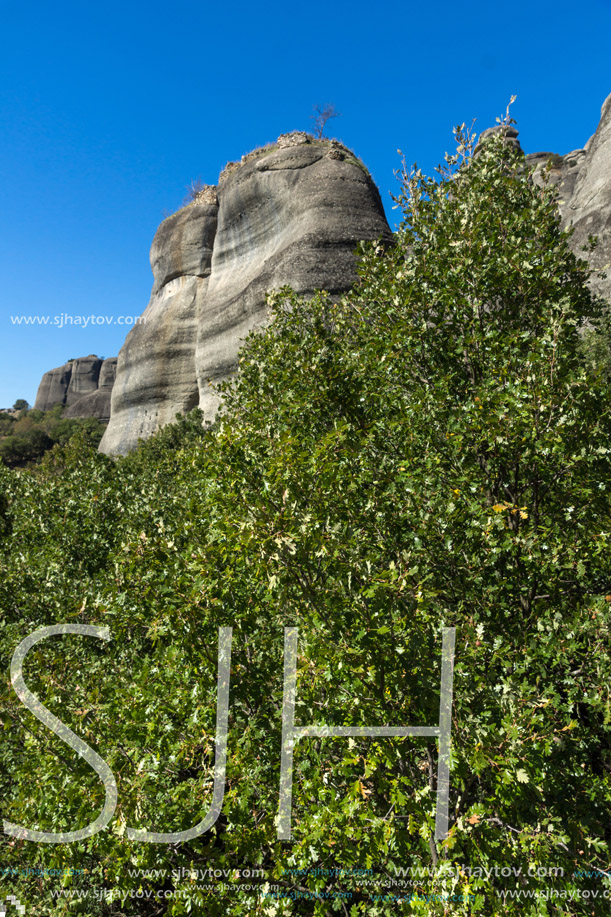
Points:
x=583, y=178
x=53, y=387
x=96, y=403
x=156, y=376
x=288, y=214
x=291, y=215
x=84, y=385
x=83, y=378
x=588, y=208
x=108, y=374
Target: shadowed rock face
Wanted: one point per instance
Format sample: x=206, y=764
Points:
x=292, y=214
x=53, y=387
x=96, y=404
x=108, y=374
x=84, y=378
x=156, y=376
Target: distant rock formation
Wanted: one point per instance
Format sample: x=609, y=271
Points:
x=53, y=387
x=288, y=214
x=583, y=178
x=83, y=385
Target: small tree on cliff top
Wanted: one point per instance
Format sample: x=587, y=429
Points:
x=321, y=116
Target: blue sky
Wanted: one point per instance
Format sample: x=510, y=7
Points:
x=108, y=111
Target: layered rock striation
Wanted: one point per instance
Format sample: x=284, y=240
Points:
x=288, y=214
x=156, y=376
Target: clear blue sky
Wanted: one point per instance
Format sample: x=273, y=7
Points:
x=109, y=110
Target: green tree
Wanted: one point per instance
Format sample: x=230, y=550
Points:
x=20, y=448
x=21, y=405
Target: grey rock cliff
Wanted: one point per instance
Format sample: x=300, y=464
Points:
x=108, y=374
x=156, y=377
x=291, y=213
x=84, y=378
x=588, y=208
x=97, y=402
x=84, y=385
x=53, y=387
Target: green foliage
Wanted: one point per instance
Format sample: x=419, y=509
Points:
x=21, y=405
x=555, y=160
x=26, y=439
x=432, y=450
x=24, y=447
x=596, y=344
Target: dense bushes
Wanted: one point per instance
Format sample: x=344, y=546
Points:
x=430, y=451
x=26, y=438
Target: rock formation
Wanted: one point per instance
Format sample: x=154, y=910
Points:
x=288, y=214
x=53, y=387
x=583, y=178
x=156, y=377
x=97, y=402
x=83, y=385
x=587, y=175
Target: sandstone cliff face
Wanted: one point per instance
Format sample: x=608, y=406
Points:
x=583, y=178
x=156, y=377
x=588, y=208
x=83, y=385
x=289, y=214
